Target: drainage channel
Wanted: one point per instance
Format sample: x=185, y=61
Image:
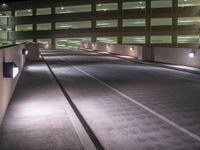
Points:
x=86, y=135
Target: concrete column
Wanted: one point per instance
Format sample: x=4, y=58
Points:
x=174, y=22
x=148, y=22
x=13, y=27
x=120, y=26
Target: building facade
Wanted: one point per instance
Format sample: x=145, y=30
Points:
x=65, y=23
x=5, y=30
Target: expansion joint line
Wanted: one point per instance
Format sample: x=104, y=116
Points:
x=85, y=125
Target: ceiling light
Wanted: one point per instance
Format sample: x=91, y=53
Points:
x=4, y=5
x=10, y=70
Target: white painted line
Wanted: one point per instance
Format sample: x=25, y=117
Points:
x=196, y=137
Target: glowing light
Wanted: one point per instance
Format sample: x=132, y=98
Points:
x=29, y=10
x=131, y=49
x=93, y=45
x=24, y=51
x=191, y=54
x=10, y=70
x=62, y=8
x=47, y=46
x=15, y=71
x=4, y=5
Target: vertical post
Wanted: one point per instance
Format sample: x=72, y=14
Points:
x=199, y=37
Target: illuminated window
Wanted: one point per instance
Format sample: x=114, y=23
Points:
x=24, y=41
x=161, y=21
x=7, y=13
x=73, y=25
x=133, y=22
x=63, y=43
x=161, y=3
x=184, y=3
x=109, y=39
x=161, y=39
x=44, y=26
x=188, y=39
x=44, y=41
x=43, y=11
x=24, y=27
x=189, y=21
x=106, y=6
x=73, y=9
x=106, y=23
x=26, y=12
x=134, y=5
x=133, y=40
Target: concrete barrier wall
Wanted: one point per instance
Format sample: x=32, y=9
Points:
x=7, y=85
x=179, y=56
x=127, y=50
x=33, y=51
x=45, y=46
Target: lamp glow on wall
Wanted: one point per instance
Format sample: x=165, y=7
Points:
x=24, y=51
x=131, y=49
x=191, y=54
x=93, y=45
x=108, y=46
x=10, y=70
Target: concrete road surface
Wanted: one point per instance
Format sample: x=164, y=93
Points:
x=131, y=106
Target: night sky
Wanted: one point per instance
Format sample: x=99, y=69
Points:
x=5, y=1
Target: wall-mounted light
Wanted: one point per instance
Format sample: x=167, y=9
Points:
x=46, y=46
x=24, y=51
x=29, y=10
x=62, y=8
x=191, y=54
x=10, y=70
x=93, y=45
x=131, y=49
x=108, y=46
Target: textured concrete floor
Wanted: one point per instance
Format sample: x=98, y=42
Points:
x=37, y=118
x=103, y=88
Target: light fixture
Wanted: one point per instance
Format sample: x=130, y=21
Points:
x=62, y=8
x=4, y=5
x=99, y=5
x=131, y=49
x=93, y=45
x=191, y=54
x=29, y=10
x=140, y=3
x=24, y=51
x=10, y=70
x=46, y=46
